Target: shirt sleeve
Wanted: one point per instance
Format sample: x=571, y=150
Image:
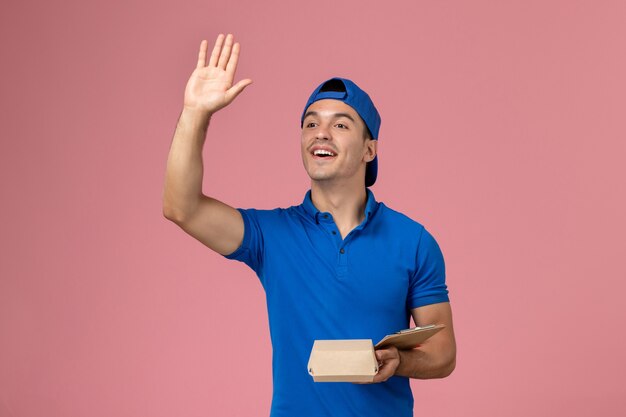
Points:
x=250, y=251
x=428, y=284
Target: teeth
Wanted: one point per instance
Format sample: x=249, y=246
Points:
x=323, y=152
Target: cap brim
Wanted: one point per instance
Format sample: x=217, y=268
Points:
x=371, y=172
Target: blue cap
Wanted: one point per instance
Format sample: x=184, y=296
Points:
x=348, y=92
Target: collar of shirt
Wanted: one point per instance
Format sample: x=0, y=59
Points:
x=318, y=216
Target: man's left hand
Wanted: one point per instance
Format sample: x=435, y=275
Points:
x=388, y=362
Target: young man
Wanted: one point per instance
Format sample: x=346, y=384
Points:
x=339, y=266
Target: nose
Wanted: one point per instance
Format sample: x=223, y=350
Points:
x=322, y=133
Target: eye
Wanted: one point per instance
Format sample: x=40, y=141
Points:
x=341, y=126
x=311, y=124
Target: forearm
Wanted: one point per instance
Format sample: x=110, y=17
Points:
x=183, y=176
x=426, y=363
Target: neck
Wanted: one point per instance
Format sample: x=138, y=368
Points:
x=345, y=203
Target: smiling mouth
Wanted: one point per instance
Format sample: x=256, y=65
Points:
x=322, y=153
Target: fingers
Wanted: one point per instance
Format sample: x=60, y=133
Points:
x=388, y=362
x=385, y=371
x=383, y=374
x=223, y=65
x=231, y=67
x=202, y=54
x=225, y=55
x=388, y=359
x=236, y=89
x=215, y=54
x=386, y=354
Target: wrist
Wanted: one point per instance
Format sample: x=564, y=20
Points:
x=196, y=112
x=401, y=362
x=194, y=117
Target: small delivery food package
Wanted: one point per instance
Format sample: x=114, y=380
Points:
x=354, y=360
x=343, y=361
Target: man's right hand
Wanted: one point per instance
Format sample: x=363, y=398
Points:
x=210, y=86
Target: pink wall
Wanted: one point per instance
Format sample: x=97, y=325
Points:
x=503, y=132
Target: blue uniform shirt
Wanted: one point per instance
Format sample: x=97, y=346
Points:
x=320, y=286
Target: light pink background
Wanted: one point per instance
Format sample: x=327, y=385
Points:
x=503, y=132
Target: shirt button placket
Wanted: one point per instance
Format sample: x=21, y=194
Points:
x=342, y=266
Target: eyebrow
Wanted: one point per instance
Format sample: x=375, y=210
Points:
x=335, y=115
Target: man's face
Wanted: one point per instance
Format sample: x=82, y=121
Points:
x=335, y=144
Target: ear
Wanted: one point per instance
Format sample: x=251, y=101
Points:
x=371, y=150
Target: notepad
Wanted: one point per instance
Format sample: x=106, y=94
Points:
x=409, y=338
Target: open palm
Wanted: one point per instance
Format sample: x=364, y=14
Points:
x=210, y=86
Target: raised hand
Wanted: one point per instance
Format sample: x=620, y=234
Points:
x=210, y=86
